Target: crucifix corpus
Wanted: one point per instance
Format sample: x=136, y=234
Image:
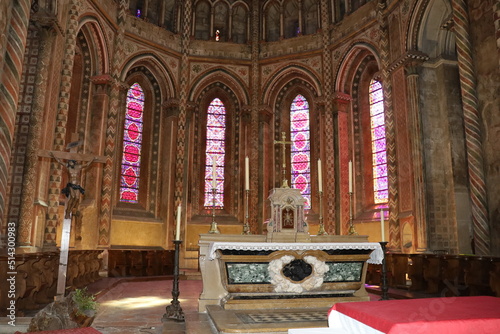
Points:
x=283, y=142
x=74, y=163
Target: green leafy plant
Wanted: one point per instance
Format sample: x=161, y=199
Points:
x=85, y=301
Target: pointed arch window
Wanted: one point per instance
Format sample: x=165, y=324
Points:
x=215, y=154
x=378, y=143
x=301, y=147
x=132, y=145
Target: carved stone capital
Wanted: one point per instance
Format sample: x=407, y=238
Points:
x=410, y=59
x=265, y=114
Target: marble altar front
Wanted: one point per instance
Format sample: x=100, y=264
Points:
x=246, y=272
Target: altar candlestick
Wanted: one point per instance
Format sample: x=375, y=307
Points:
x=382, y=227
x=214, y=173
x=350, y=176
x=320, y=177
x=178, y=227
x=247, y=174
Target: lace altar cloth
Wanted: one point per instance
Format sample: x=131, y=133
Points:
x=376, y=256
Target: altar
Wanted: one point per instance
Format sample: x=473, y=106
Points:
x=246, y=272
x=287, y=264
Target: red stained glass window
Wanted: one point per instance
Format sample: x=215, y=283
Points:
x=379, y=148
x=132, y=144
x=301, y=148
x=215, y=150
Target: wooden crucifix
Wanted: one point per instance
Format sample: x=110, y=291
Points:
x=283, y=142
x=74, y=163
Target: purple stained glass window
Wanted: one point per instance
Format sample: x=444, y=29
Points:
x=301, y=148
x=379, y=148
x=216, y=149
x=132, y=144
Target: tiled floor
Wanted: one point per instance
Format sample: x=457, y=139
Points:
x=138, y=307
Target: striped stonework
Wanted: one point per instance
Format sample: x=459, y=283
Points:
x=117, y=92
x=328, y=153
x=390, y=128
x=59, y=143
x=46, y=38
x=183, y=106
x=252, y=140
x=472, y=122
x=10, y=78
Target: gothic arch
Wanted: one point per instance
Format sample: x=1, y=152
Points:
x=220, y=76
x=276, y=83
x=425, y=31
x=350, y=62
x=160, y=71
x=92, y=29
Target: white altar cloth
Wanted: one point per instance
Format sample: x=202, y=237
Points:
x=376, y=256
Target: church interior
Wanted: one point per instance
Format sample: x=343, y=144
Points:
x=151, y=138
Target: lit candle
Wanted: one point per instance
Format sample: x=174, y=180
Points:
x=320, y=177
x=178, y=227
x=247, y=174
x=350, y=176
x=214, y=173
x=382, y=227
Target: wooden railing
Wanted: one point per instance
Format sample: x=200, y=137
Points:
x=137, y=262
x=438, y=274
x=36, y=277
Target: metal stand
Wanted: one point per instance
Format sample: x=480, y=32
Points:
x=383, y=285
x=321, y=230
x=174, y=310
x=213, y=226
x=352, y=230
x=246, y=226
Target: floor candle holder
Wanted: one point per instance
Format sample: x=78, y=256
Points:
x=174, y=310
x=321, y=230
x=383, y=279
x=246, y=226
x=352, y=230
x=213, y=226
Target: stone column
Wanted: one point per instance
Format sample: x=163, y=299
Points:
x=340, y=189
x=10, y=77
x=496, y=18
x=61, y=120
x=117, y=94
x=26, y=215
x=327, y=149
x=472, y=121
x=253, y=143
x=416, y=139
x=264, y=181
x=390, y=128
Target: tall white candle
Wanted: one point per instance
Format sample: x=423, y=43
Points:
x=214, y=173
x=320, y=177
x=178, y=226
x=350, y=176
x=382, y=227
x=247, y=174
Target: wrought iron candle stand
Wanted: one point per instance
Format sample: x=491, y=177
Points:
x=246, y=226
x=321, y=230
x=352, y=230
x=383, y=285
x=213, y=226
x=174, y=310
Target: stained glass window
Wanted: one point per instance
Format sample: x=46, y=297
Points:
x=215, y=154
x=301, y=148
x=132, y=143
x=379, y=153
